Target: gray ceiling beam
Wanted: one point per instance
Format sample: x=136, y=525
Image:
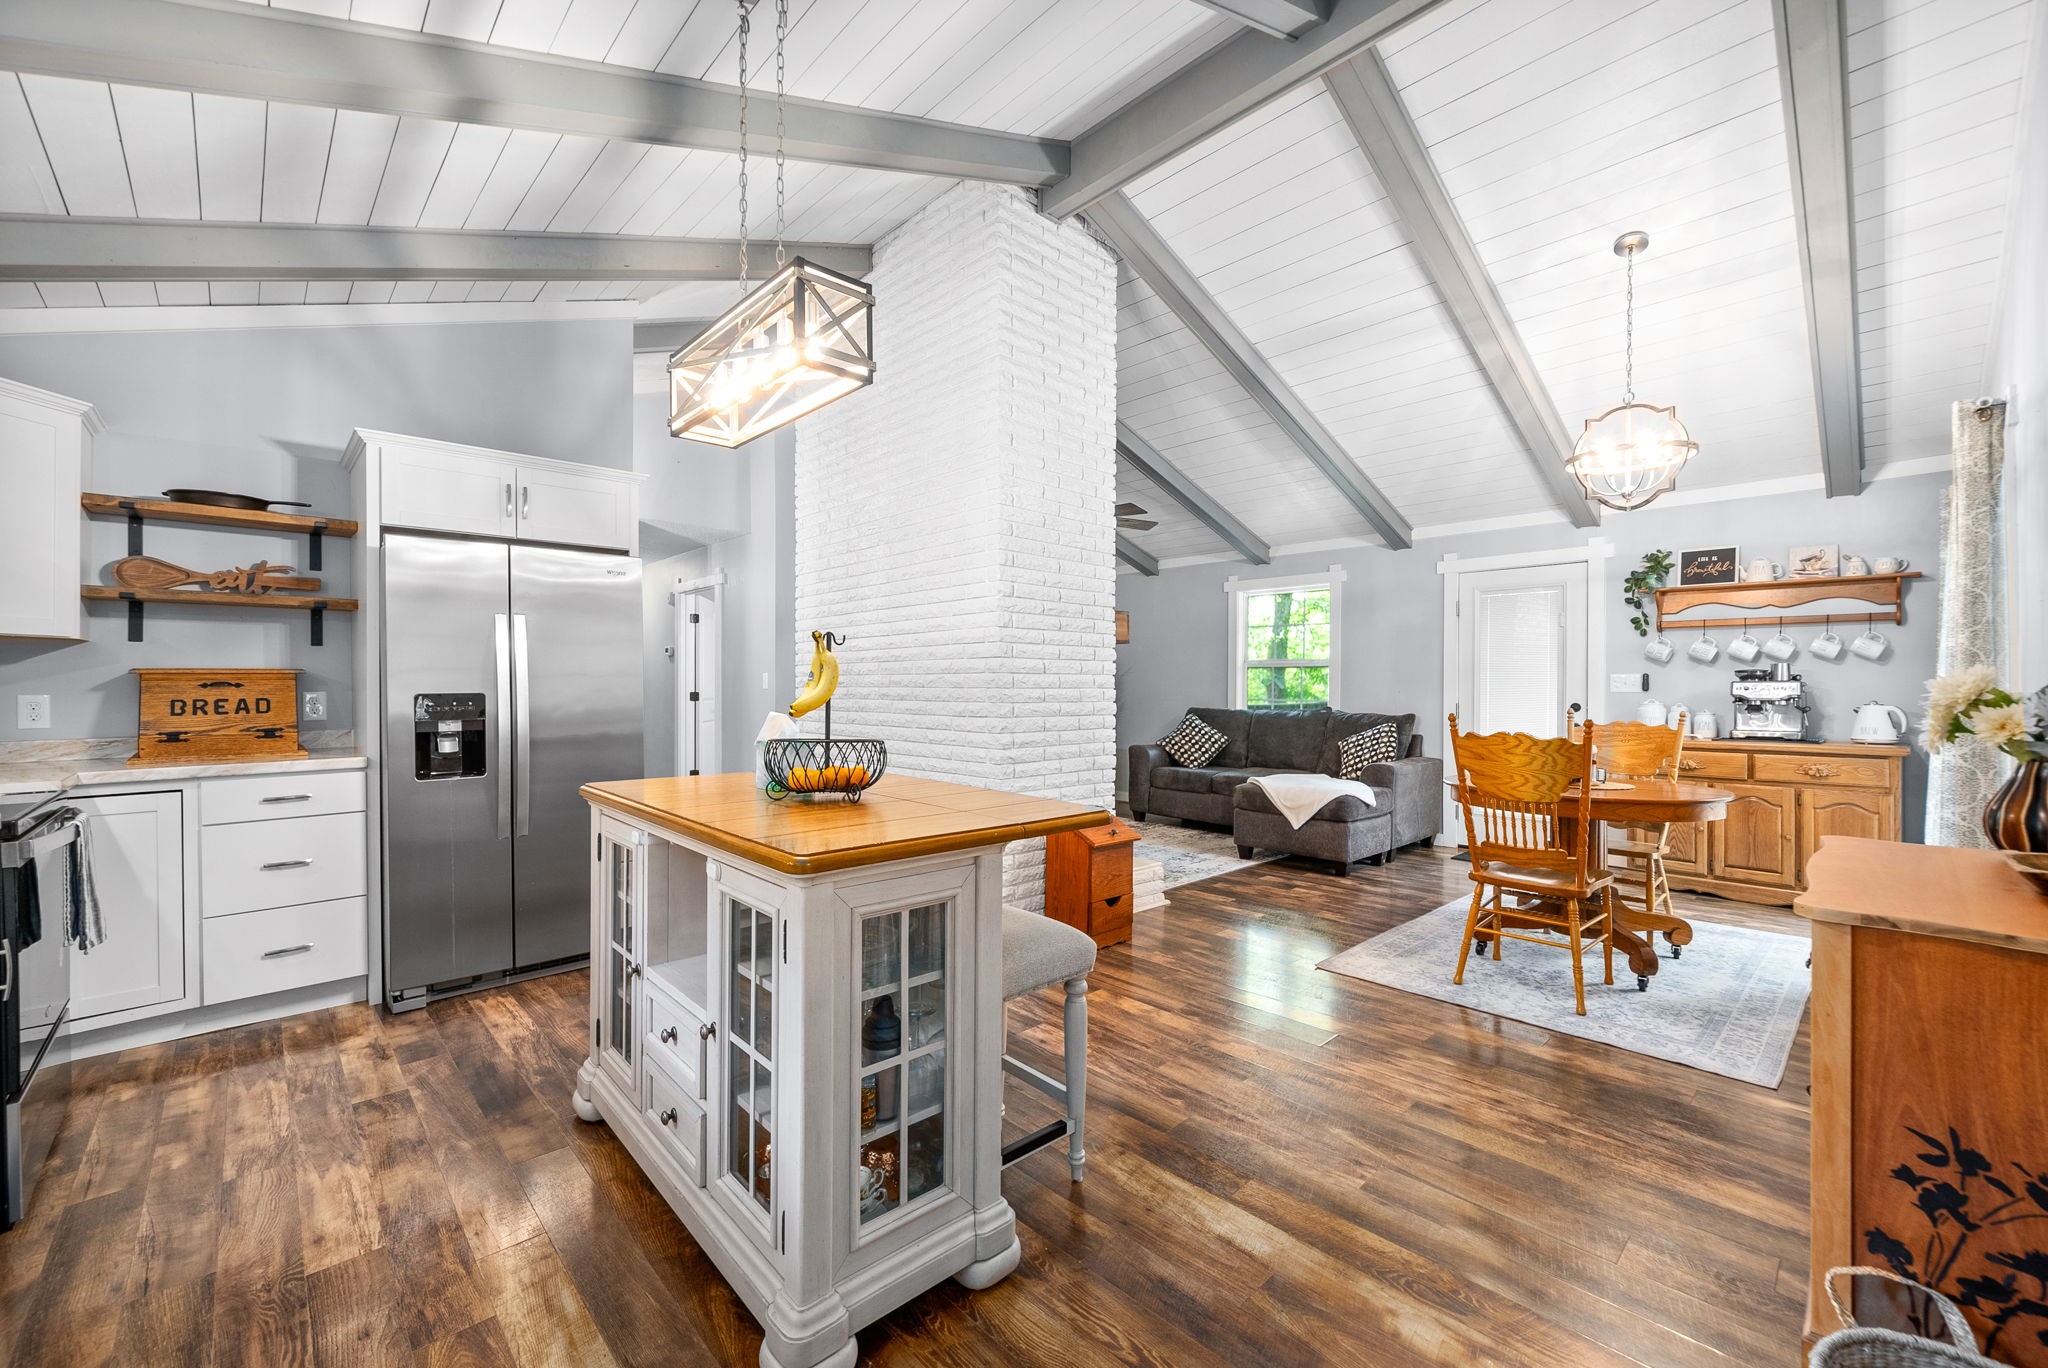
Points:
x=1276, y=18
x=1365, y=92
x=1221, y=87
x=1136, y=556
x=41, y=248
x=273, y=54
x=1189, y=495
x=1117, y=219
x=665, y=335
x=1812, y=75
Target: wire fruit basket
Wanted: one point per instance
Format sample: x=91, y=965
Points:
x=823, y=764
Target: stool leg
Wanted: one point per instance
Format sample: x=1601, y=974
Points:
x=1076, y=1034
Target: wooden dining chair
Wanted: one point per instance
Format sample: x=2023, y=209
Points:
x=1639, y=751
x=1529, y=829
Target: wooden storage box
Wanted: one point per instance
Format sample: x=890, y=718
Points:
x=1088, y=880
x=199, y=717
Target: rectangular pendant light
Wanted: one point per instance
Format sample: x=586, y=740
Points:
x=801, y=339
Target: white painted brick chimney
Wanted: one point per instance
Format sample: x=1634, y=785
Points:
x=955, y=520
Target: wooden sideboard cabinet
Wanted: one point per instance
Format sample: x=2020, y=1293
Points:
x=1930, y=1121
x=1789, y=797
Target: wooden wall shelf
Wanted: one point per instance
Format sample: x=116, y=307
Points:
x=163, y=510
x=1884, y=593
x=215, y=598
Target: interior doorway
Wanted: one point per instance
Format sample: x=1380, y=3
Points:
x=697, y=665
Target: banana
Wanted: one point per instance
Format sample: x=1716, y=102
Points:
x=824, y=678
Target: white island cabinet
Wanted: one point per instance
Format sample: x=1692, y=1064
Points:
x=796, y=1030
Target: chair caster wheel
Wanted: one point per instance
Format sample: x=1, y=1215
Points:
x=1677, y=950
x=1642, y=983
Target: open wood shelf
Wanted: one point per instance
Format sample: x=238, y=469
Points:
x=214, y=598
x=163, y=510
x=1884, y=593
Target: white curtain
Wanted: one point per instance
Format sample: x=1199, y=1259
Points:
x=1971, y=630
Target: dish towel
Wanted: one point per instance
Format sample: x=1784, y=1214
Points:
x=1299, y=797
x=83, y=921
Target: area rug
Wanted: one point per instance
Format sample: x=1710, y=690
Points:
x=1190, y=853
x=1731, y=1006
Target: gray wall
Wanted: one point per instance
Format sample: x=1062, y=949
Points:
x=267, y=411
x=1392, y=636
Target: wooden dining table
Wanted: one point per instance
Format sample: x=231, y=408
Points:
x=1644, y=802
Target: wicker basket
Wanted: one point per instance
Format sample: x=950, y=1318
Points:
x=1864, y=1346
x=823, y=764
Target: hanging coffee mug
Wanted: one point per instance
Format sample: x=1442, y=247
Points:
x=1827, y=645
x=1891, y=565
x=1745, y=648
x=1781, y=646
x=1659, y=650
x=1704, y=650
x=1871, y=645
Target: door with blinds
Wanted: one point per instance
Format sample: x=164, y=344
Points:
x=1521, y=648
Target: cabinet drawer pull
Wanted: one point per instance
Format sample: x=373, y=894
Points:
x=1817, y=771
x=286, y=798
x=288, y=950
x=668, y=1035
x=1688, y=764
x=288, y=864
x=668, y=1118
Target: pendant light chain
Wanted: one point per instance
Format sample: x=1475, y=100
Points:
x=745, y=25
x=781, y=32
x=1628, y=395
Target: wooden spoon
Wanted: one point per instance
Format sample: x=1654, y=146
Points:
x=147, y=572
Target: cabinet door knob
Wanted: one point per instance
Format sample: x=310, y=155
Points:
x=668, y=1118
x=668, y=1035
x=632, y=971
x=707, y=1030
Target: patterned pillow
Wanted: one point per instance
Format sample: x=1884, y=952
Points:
x=1373, y=746
x=1194, y=742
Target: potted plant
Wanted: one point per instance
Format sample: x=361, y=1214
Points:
x=1642, y=583
x=1970, y=705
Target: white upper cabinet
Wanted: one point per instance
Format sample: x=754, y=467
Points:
x=442, y=487
x=45, y=462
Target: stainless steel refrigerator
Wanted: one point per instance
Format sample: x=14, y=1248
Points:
x=511, y=679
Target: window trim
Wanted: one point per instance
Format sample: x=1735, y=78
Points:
x=1236, y=591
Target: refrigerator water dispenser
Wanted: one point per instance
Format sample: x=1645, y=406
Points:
x=447, y=735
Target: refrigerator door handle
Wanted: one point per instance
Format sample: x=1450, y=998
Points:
x=504, y=730
x=522, y=777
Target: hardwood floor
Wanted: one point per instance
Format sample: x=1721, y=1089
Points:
x=1286, y=1167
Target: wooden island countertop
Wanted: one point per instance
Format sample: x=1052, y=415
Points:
x=900, y=818
x=1967, y=895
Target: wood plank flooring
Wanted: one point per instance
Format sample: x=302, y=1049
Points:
x=1286, y=1168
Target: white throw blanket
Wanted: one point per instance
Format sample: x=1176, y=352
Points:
x=1299, y=797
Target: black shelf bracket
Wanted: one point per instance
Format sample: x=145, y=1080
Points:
x=319, y=616
x=313, y=545
x=134, y=617
x=134, y=529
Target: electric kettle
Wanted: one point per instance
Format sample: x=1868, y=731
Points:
x=1878, y=724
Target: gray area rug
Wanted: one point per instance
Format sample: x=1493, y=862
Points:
x=1190, y=854
x=1731, y=1006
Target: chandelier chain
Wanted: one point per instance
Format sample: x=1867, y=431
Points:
x=1628, y=395
x=781, y=33
x=745, y=25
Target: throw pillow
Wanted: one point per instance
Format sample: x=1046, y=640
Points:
x=1194, y=742
x=1373, y=746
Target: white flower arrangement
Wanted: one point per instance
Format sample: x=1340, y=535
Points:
x=1971, y=704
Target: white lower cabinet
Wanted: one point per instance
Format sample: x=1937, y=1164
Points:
x=247, y=866
x=678, y=1120
x=249, y=954
x=138, y=864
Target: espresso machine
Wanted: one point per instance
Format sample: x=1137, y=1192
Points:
x=1770, y=705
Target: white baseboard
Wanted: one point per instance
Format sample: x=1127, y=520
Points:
x=87, y=1042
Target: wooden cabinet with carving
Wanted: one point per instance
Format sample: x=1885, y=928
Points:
x=1685, y=849
x=1755, y=843
x=1868, y=813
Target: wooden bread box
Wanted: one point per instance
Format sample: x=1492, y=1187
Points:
x=197, y=717
x=1088, y=880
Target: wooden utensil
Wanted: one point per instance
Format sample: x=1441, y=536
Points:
x=147, y=572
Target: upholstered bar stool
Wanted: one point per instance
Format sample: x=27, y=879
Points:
x=1037, y=953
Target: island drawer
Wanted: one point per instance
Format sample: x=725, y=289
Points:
x=1834, y=771
x=677, y=1039
x=1706, y=764
x=253, y=953
x=249, y=865
x=266, y=797
x=677, y=1119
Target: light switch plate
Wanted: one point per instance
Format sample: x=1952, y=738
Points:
x=1628, y=683
x=32, y=711
x=314, y=708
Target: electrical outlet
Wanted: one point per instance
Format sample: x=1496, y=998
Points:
x=32, y=711
x=1628, y=683
x=314, y=708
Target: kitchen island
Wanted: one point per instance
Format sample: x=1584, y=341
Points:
x=796, y=1030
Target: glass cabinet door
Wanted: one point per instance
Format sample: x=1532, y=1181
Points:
x=901, y=1085
x=750, y=1052
x=621, y=874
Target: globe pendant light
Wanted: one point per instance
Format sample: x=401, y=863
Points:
x=1632, y=453
x=803, y=338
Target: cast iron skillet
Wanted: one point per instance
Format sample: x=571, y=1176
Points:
x=217, y=499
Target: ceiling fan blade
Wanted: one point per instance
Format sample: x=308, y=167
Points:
x=1137, y=524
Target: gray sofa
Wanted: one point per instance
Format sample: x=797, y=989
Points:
x=1276, y=743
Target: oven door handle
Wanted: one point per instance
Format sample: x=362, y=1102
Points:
x=14, y=854
x=7, y=957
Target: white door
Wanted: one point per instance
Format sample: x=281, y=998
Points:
x=571, y=509
x=447, y=491
x=697, y=681
x=138, y=865
x=1521, y=648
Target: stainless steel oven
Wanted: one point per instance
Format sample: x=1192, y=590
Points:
x=38, y=844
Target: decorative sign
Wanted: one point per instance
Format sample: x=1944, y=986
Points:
x=206, y=716
x=1716, y=565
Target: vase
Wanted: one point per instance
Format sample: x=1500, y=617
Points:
x=2016, y=818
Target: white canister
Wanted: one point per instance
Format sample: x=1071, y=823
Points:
x=1652, y=712
x=1705, y=726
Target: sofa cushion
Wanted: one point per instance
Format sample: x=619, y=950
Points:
x=1235, y=724
x=1182, y=780
x=1193, y=742
x=1344, y=809
x=1291, y=741
x=1226, y=780
x=1347, y=724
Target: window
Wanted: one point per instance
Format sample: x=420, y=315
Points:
x=1284, y=644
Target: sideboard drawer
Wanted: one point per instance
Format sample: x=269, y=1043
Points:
x=249, y=865
x=253, y=953
x=678, y=1040
x=678, y=1120
x=264, y=797
x=1706, y=764
x=1835, y=771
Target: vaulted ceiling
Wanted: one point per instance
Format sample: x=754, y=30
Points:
x=1368, y=291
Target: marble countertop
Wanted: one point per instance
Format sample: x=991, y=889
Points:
x=28, y=768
